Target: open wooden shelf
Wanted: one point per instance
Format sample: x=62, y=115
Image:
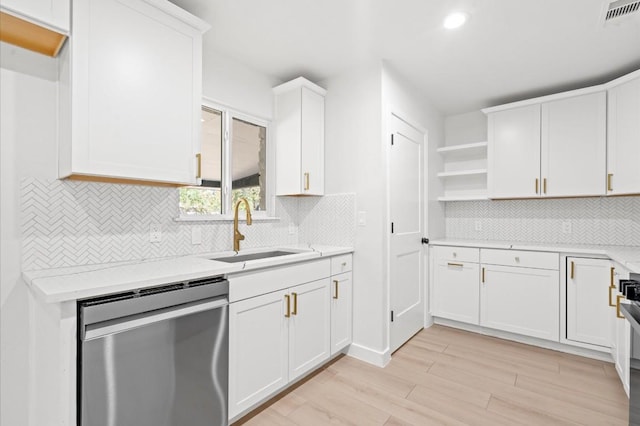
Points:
x=28, y=35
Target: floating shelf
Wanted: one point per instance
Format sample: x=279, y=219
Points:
x=461, y=148
x=463, y=173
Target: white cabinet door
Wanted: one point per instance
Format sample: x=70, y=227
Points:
x=456, y=291
x=135, y=93
x=588, y=310
x=309, y=327
x=623, y=148
x=51, y=13
x=624, y=351
x=574, y=146
x=514, y=153
x=341, y=311
x=520, y=300
x=299, y=130
x=258, y=349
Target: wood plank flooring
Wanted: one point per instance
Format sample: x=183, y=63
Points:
x=452, y=377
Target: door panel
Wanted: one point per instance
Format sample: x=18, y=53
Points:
x=407, y=257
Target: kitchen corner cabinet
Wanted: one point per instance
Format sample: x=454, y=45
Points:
x=54, y=14
x=588, y=300
x=623, y=149
x=299, y=138
x=130, y=93
x=455, y=286
x=506, y=277
x=550, y=148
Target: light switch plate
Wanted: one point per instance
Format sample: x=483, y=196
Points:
x=293, y=229
x=196, y=235
x=362, y=218
x=478, y=226
x=566, y=227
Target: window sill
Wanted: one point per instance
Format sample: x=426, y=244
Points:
x=223, y=218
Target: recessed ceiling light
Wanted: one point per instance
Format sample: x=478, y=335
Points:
x=455, y=20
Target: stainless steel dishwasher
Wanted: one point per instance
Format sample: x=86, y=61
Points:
x=156, y=357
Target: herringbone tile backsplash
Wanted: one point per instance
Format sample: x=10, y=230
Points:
x=68, y=223
x=597, y=221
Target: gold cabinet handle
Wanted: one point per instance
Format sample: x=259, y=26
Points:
x=609, y=177
x=544, y=185
x=288, y=299
x=306, y=181
x=199, y=167
x=610, y=297
x=455, y=264
x=483, y=275
x=618, y=298
x=295, y=304
x=336, y=282
x=612, y=283
x=536, y=185
x=573, y=269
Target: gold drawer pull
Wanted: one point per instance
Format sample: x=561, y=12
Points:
x=199, y=168
x=610, y=297
x=455, y=264
x=613, y=272
x=288, y=299
x=306, y=181
x=295, y=304
x=609, y=177
x=544, y=185
x=618, y=298
x=336, y=282
x=573, y=267
x=536, y=185
x=483, y=275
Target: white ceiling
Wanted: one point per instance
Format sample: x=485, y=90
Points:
x=509, y=49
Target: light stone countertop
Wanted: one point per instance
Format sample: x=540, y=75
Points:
x=628, y=257
x=79, y=282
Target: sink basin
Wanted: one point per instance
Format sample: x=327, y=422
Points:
x=254, y=256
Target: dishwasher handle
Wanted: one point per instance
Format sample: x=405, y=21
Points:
x=119, y=325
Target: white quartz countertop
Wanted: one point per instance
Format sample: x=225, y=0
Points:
x=629, y=257
x=79, y=282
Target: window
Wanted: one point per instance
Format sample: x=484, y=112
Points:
x=234, y=165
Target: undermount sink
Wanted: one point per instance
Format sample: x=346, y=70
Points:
x=254, y=256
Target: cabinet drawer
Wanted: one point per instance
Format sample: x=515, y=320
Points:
x=340, y=264
x=460, y=254
x=527, y=259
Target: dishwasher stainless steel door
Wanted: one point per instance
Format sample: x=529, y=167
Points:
x=157, y=357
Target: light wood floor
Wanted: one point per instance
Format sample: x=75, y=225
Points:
x=452, y=377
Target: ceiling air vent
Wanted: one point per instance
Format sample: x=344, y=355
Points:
x=620, y=8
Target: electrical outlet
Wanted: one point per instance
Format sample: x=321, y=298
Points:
x=196, y=235
x=478, y=226
x=566, y=227
x=155, y=233
x=293, y=229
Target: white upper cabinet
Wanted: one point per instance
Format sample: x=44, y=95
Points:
x=299, y=129
x=130, y=92
x=514, y=153
x=54, y=14
x=574, y=146
x=623, y=144
x=553, y=146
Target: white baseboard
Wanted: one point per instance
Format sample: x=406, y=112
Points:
x=556, y=346
x=371, y=356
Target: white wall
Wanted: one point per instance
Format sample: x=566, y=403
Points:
x=235, y=85
x=355, y=156
x=469, y=127
x=28, y=105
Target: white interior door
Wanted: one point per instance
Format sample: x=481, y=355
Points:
x=406, y=264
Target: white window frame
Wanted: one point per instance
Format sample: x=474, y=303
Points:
x=228, y=114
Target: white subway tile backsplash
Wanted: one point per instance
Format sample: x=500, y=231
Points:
x=67, y=223
x=599, y=221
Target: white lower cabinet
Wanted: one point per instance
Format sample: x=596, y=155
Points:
x=520, y=300
x=278, y=337
x=309, y=327
x=341, y=311
x=274, y=339
x=455, y=293
x=588, y=300
x=258, y=349
x=621, y=345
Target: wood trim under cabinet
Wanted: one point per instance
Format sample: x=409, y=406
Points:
x=104, y=179
x=28, y=35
